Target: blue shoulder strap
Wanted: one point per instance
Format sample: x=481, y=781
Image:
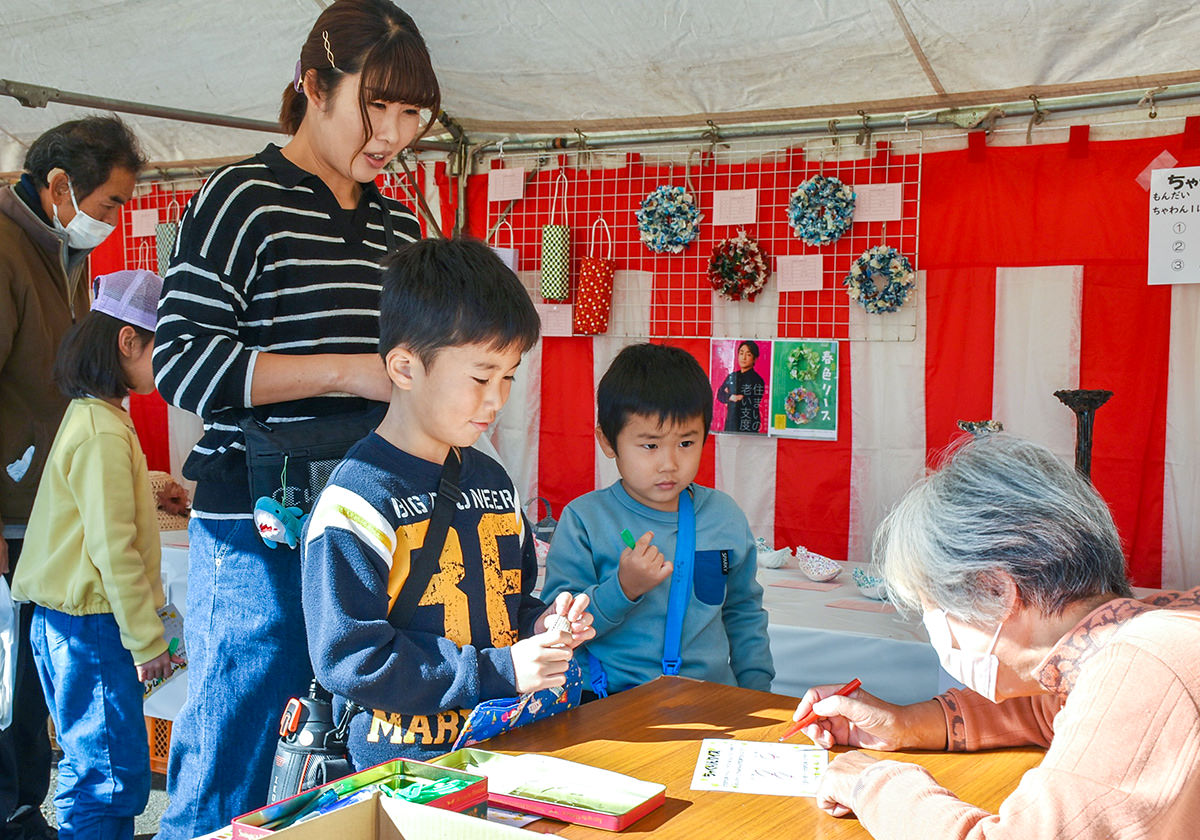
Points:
x=681, y=584
x=677, y=599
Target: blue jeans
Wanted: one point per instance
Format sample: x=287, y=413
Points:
x=95, y=700
x=247, y=654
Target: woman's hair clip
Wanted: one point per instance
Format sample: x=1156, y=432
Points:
x=296, y=82
x=328, y=49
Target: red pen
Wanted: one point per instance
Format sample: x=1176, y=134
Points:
x=846, y=690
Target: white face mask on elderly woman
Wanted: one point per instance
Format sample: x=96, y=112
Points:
x=977, y=671
x=83, y=232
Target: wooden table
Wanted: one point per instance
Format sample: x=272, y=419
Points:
x=653, y=732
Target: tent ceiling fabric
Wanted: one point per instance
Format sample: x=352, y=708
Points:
x=550, y=65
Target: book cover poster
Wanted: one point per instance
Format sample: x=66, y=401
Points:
x=740, y=372
x=804, y=389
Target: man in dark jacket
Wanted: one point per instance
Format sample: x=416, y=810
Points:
x=77, y=177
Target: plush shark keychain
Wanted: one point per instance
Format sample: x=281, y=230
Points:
x=276, y=523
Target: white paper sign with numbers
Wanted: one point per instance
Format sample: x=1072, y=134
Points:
x=1174, y=226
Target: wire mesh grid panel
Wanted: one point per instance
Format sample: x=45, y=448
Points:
x=669, y=294
x=150, y=221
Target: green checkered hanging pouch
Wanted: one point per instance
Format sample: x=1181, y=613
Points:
x=556, y=247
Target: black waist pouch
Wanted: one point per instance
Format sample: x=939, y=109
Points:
x=292, y=462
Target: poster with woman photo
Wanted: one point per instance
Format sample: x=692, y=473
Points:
x=740, y=370
x=804, y=389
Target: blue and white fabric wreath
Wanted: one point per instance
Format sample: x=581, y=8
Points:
x=668, y=220
x=821, y=210
x=881, y=280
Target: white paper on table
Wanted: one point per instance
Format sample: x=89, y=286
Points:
x=735, y=207
x=760, y=767
x=172, y=621
x=877, y=202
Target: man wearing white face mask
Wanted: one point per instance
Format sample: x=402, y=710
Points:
x=77, y=177
x=1015, y=564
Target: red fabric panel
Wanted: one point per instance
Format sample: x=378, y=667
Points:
x=566, y=440
x=699, y=349
x=812, y=482
x=477, y=207
x=149, y=413
x=959, y=351
x=1126, y=333
x=1037, y=205
x=447, y=198
x=109, y=256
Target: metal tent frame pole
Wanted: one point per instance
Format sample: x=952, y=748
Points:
x=39, y=96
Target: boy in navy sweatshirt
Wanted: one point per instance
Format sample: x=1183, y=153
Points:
x=454, y=323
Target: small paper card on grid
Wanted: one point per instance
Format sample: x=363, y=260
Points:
x=735, y=207
x=877, y=202
x=761, y=767
x=142, y=222
x=506, y=184
x=556, y=318
x=800, y=274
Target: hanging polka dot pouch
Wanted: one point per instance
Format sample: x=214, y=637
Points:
x=593, y=298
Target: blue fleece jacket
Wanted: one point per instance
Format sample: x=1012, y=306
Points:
x=420, y=683
x=724, y=635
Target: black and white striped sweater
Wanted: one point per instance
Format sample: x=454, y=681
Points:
x=265, y=261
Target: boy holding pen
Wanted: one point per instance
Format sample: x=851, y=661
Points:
x=654, y=408
x=454, y=323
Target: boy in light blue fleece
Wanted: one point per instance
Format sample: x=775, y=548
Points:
x=654, y=408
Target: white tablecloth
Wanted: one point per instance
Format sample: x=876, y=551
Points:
x=815, y=644
x=167, y=700
x=811, y=643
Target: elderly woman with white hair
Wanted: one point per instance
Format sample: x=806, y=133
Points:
x=1014, y=562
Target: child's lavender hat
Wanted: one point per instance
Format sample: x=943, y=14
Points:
x=130, y=296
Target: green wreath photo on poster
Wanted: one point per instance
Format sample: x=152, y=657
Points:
x=804, y=389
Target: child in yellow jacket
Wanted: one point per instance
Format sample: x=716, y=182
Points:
x=92, y=567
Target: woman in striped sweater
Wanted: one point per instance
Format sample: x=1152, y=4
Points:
x=270, y=313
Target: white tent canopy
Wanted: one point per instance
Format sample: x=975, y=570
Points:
x=529, y=66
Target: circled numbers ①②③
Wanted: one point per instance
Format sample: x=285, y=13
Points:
x=1177, y=265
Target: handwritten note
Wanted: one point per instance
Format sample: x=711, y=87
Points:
x=556, y=318
x=877, y=202
x=142, y=222
x=735, y=207
x=506, y=184
x=759, y=767
x=800, y=274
